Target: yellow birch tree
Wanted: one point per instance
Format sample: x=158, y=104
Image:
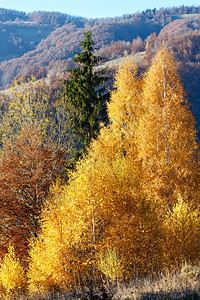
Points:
x=109, y=200
x=166, y=135
x=27, y=104
x=102, y=206
x=181, y=235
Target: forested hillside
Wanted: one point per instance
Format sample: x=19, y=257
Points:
x=42, y=43
x=52, y=37
x=99, y=156
x=21, y=32
x=128, y=208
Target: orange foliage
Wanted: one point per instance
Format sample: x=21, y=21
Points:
x=27, y=168
x=106, y=218
x=166, y=136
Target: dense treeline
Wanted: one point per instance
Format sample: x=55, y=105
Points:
x=130, y=207
x=40, y=17
x=58, y=19
x=11, y=15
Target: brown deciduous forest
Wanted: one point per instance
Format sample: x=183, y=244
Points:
x=122, y=222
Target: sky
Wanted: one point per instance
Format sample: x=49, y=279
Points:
x=93, y=8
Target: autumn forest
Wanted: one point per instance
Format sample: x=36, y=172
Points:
x=98, y=186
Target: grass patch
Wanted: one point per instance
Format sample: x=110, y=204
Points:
x=180, y=284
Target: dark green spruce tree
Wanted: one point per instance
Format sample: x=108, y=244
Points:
x=85, y=95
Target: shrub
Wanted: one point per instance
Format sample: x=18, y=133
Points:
x=12, y=274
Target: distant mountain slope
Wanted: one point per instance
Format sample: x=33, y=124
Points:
x=62, y=42
x=21, y=32
x=40, y=42
x=182, y=25
x=17, y=38
x=53, y=38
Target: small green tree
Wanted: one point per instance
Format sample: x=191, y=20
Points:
x=85, y=95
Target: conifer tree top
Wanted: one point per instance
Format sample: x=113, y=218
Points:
x=85, y=95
